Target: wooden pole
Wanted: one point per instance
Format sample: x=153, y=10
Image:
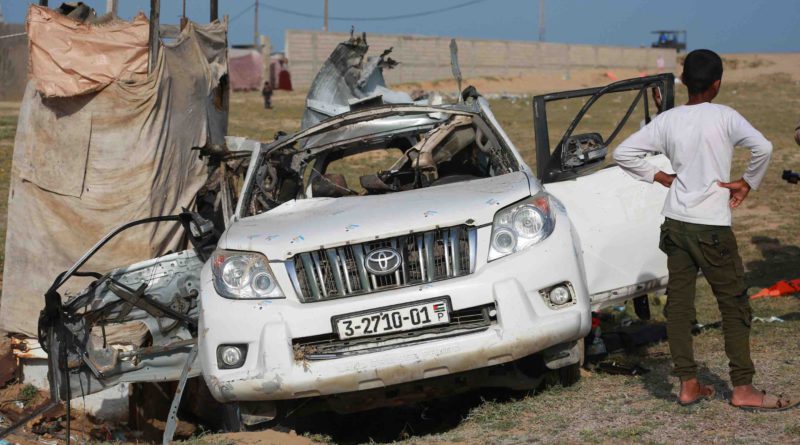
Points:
x=214, y=10
x=325, y=26
x=184, y=20
x=155, y=41
x=111, y=7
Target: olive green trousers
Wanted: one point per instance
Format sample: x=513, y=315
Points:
x=712, y=250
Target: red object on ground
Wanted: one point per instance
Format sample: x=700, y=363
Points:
x=779, y=289
x=611, y=75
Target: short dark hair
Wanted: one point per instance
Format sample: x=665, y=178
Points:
x=700, y=69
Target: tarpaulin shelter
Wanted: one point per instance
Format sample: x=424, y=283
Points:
x=98, y=146
x=245, y=69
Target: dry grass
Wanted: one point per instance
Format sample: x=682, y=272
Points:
x=602, y=408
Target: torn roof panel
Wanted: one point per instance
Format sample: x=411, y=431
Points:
x=345, y=79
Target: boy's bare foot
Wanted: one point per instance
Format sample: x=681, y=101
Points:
x=692, y=392
x=749, y=398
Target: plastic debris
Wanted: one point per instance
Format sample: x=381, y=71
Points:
x=779, y=289
x=772, y=319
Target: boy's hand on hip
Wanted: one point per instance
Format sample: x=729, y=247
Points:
x=664, y=178
x=738, y=190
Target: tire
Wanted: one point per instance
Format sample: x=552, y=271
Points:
x=571, y=374
x=231, y=418
x=641, y=306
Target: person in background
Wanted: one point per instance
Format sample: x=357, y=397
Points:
x=698, y=138
x=266, y=92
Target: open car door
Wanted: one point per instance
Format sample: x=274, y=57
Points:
x=616, y=217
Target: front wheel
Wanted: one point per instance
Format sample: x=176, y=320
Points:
x=232, y=418
x=571, y=374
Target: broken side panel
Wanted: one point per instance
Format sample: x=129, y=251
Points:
x=138, y=323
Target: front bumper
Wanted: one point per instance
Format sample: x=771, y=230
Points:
x=524, y=325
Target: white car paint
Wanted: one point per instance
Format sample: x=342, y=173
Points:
x=617, y=220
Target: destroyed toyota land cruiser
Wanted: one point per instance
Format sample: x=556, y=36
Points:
x=386, y=245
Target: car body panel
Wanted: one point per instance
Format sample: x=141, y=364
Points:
x=308, y=224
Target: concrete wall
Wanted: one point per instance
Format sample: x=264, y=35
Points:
x=13, y=62
x=425, y=58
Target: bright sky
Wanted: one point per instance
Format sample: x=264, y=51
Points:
x=722, y=25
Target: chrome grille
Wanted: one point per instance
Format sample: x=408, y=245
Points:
x=424, y=258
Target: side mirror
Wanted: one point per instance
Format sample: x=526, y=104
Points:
x=582, y=149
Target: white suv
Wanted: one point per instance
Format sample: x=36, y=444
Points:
x=389, y=245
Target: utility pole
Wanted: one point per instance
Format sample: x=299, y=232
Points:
x=255, y=27
x=325, y=26
x=541, y=20
x=111, y=7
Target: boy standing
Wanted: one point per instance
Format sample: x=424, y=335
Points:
x=698, y=139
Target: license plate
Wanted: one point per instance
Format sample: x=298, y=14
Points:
x=397, y=319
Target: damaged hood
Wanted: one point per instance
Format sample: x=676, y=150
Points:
x=309, y=224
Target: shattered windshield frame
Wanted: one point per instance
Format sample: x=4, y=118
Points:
x=429, y=137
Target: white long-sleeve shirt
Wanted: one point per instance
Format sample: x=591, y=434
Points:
x=698, y=140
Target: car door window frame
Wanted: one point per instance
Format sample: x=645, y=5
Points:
x=549, y=166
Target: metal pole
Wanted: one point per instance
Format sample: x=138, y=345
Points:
x=255, y=26
x=325, y=26
x=214, y=10
x=111, y=7
x=155, y=9
x=541, y=20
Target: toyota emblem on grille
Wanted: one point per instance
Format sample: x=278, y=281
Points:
x=382, y=261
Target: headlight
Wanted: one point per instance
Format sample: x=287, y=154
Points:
x=521, y=225
x=243, y=275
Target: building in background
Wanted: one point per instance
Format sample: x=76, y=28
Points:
x=245, y=68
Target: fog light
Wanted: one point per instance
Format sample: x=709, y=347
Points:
x=231, y=356
x=559, y=295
